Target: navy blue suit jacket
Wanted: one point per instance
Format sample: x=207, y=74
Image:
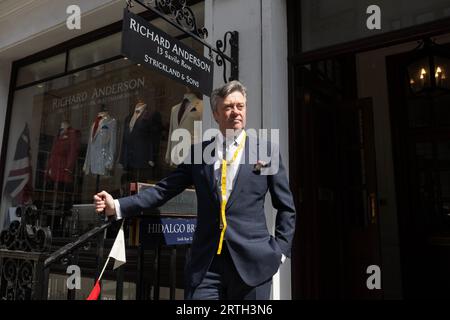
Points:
x=255, y=253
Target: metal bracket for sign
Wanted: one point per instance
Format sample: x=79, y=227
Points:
x=183, y=18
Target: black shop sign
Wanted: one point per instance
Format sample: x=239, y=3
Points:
x=145, y=44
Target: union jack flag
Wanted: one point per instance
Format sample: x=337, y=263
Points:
x=19, y=186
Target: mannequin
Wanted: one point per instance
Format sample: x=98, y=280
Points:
x=183, y=115
x=64, y=125
x=64, y=153
x=101, y=149
x=140, y=142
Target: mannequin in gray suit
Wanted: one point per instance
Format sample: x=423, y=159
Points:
x=101, y=148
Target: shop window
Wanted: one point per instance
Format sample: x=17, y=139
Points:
x=442, y=113
x=83, y=136
x=95, y=51
x=42, y=69
x=444, y=151
x=419, y=113
x=328, y=22
x=424, y=152
x=444, y=177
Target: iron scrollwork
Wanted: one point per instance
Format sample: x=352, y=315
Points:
x=179, y=12
x=16, y=279
x=25, y=235
x=221, y=58
x=182, y=14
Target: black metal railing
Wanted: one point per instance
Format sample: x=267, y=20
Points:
x=26, y=261
x=23, y=248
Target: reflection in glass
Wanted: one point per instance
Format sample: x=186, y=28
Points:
x=329, y=22
x=42, y=69
x=95, y=51
x=442, y=110
x=443, y=150
x=419, y=75
x=424, y=151
x=419, y=113
x=444, y=179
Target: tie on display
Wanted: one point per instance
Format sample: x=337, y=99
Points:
x=134, y=118
x=223, y=189
x=97, y=121
x=182, y=109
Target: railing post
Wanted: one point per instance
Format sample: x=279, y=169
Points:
x=157, y=267
x=71, y=293
x=100, y=252
x=140, y=274
x=41, y=278
x=119, y=283
x=173, y=272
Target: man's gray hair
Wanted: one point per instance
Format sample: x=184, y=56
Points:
x=225, y=90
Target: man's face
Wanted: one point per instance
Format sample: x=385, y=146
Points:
x=231, y=112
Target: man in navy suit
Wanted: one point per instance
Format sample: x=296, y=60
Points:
x=233, y=255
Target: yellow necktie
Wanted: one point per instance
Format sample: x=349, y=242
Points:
x=223, y=220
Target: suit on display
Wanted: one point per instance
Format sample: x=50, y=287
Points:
x=184, y=115
x=141, y=137
x=101, y=148
x=63, y=155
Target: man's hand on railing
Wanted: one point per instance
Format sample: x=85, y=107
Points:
x=104, y=201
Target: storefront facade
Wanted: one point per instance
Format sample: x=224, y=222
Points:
x=367, y=156
x=63, y=91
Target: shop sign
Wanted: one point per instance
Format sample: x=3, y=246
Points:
x=151, y=47
x=166, y=231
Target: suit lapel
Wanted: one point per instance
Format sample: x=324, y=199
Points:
x=186, y=111
x=189, y=109
x=209, y=175
x=100, y=125
x=96, y=133
x=138, y=121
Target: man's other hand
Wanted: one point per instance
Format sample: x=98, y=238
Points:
x=104, y=201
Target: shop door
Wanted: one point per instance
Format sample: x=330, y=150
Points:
x=339, y=210
x=357, y=192
x=421, y=142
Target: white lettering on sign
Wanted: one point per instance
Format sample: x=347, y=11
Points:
x=164, y=43
x=70, y=100
x=113, y=89
x=119, y=87
x=170, y=228
x=191, y=58
x=158, y=64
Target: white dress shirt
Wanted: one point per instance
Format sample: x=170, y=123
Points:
x=231, y=145
x=140, y=108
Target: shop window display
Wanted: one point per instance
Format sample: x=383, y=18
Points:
x=101, y=128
